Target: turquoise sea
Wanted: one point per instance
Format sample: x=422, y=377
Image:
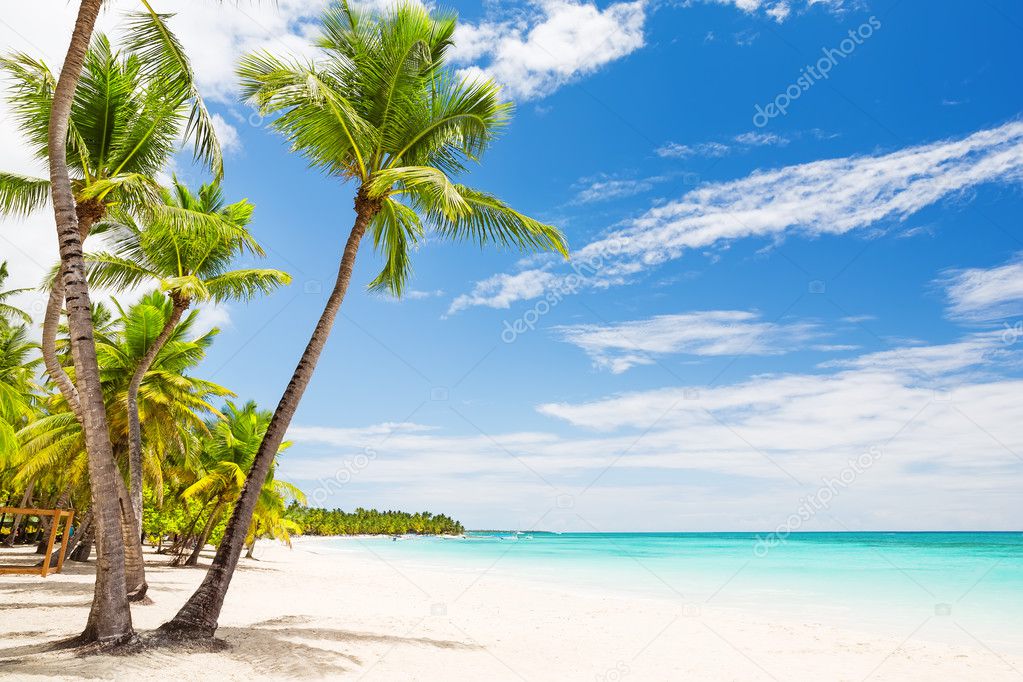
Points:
x=957, y=583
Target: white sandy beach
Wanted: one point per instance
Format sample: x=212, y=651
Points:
x=300, y=614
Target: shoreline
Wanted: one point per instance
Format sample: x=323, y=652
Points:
x=297, y=614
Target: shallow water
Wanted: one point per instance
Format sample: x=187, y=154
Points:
x=968, y=584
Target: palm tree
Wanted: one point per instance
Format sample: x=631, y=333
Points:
x=225, y=458
x=17, y=368
x=381, y=110
x=190, y=261
x=125, y=123
x=110, y=616
x=174, y=403
x=8, y=311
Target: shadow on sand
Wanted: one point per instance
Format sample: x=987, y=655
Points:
x=280, y=647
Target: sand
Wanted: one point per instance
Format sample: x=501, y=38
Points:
x=302, y=614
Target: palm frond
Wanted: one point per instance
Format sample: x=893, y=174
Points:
x=491, y=221
x=21, y=195
x=396, y=229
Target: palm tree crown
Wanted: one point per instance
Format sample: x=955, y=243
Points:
x=189, y=256
x=380, y=108
x=129, y=113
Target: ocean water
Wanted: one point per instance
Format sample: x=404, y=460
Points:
x=958, y=586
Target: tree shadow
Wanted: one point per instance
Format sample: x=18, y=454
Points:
x=279, y=647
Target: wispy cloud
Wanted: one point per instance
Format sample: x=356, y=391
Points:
x=986, y=294
x=832, y=196
x=619, y=347
x=606, y=188
x=674, y=150
x=779, y=10
x=717, y=149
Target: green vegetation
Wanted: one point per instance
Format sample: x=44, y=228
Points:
x=316, y=521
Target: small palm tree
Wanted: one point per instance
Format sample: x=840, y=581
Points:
x=379, y=109
x=189, y=259
x=17, y=370
x=8, y=311
x=173, y=401
x=225, y=458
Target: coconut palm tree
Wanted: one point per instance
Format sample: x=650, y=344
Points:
x=125, y=124
x=378, y=109
x=173, y=402
x=7, y=311
x=190, y=261
x=225, y=457
x=110, y=617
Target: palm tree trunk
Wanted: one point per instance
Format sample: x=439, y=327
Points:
x=85, y=535
x=134, y=427
x=110, y=616
x=198, y=617
x=72, y=542
x=134, y=564
x=88, y=212
x=204, y=536
x=26, y=499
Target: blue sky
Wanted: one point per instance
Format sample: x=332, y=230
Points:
x=818, y=303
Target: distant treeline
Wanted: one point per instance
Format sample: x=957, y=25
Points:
x=316, y=521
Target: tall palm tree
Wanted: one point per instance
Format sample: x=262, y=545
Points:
x=381, y=110
x=125, y=124
x=190, y=261
x=110, y=616
x=125, y=120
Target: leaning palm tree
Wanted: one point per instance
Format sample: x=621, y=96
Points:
x=190, y=260
x=378, y=109
x=110, y=617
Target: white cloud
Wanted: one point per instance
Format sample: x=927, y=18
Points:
x=717, y=149
x=779, y=10
x=985, y=294
x=554, y=43
x=501, y=290
x=738, y=456
x=619, y=347
x=674, y=150
x=606, y=188
x=213, y=315
x=227, y=134
x=755, y=139
x=833, y=196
